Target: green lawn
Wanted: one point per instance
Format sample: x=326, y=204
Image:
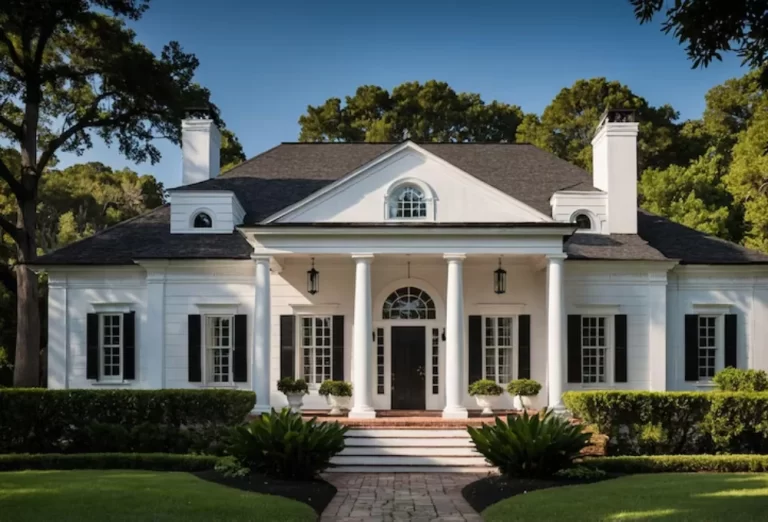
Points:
x=119, y=495
x=700, y=497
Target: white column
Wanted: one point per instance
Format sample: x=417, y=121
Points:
x=555, y=321
x=152, y=347
x=454, y=339
x=58, y=344
x=262, y=319
x=657, y=331
x=362, y=342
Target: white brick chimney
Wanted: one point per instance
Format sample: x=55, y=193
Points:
x=614, y=168
x=200, y=145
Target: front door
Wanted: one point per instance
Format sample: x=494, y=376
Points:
x=408, y=367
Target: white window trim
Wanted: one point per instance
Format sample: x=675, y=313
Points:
x=300, y=348
x=514, y=337
x=718, y=312
x=610, y=349
x=429, y=198
x=300, y=310
x=207, y=381
x=199, y=211
x=112, y=379
x=595, y=223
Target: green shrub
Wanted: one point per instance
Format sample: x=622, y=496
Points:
x=737, y=422
x=291, y=385
x=581, y=472
x=637, y=423
x=87, y=421
x=283, y=445
x=524, y=387
x=148, y=461
x=733, y=379
x=336, y=388
x=485, y=387
x=530, y=446
x=681, y=463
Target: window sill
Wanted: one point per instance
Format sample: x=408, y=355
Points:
x=111, y=383
x=223, y=386
x=602, y=386
x=705, y=384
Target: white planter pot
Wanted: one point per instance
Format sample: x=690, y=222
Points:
x=295, y=401
x=486, y=403
x=523, y=402
x=337, y=404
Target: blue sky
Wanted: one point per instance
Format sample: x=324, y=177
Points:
x=265, y=61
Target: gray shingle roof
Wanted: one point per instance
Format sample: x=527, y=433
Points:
x=290, y=172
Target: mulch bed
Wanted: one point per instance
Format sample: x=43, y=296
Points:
x=490, y=490
x=316, y=494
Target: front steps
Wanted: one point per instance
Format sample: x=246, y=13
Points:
x=409, y=451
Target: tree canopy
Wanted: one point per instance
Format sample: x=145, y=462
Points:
x=431, y=111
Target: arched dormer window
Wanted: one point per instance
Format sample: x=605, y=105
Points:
x=202, y=220
x=409, y=200
x=584, y=220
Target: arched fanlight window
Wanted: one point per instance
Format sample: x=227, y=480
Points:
x=408, y=303
x=583, y=221
x=202, y=220
x=407, y=202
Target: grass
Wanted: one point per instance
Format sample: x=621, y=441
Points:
x=700, y=497
x=123, y=496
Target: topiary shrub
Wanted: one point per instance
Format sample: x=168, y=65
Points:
x=290, y=385
x=283, y=445
x=85, y=421
x=335, y=388
x=524, y=387
x=734, y=379
x=530, y=446
x=485, y=387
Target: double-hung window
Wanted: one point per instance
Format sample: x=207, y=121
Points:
x=499, y=345
x=316, y=348
x=707, y=333
x=218, y=348
x=595, y=349
x=111, y=346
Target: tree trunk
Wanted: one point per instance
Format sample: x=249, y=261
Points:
x=26, y=371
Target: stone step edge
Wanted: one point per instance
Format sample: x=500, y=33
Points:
x=412, y=469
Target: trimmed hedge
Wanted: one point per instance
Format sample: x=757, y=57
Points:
x=650, y=423
x=142, y=421
x=148, y=461
x=680, y=463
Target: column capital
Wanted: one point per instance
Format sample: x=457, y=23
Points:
x=260, y=258
x=363, y=257
x=454, y=257
x=557, y=257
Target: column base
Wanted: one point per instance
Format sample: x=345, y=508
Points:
x=258, y=409
x=457, y=412
x=362, y=413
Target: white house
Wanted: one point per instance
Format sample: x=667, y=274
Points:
x=408, y=269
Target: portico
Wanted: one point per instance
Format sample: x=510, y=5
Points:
x=414, y=294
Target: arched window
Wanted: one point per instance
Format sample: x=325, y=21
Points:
x=408, y=202
x=408, y=303
x=203, y=220
x=583, y=221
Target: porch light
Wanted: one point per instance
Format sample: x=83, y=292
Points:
x=313, y=279
x=500, y=280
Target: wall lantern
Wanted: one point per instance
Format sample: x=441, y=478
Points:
x=313, y=279
x=500, y=280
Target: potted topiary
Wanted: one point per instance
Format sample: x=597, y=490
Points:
x=484, y=392
x=338, y=394
x=523, y=390
x=294, y=390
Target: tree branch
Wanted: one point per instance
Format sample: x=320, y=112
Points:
x=10, y=229
x=13, y=127
x=11, y=50
x=7, y=176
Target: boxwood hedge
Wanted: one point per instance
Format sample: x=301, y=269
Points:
x=680, y=463
x=148, y=461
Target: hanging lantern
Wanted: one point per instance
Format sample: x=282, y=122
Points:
x=313, y=279
x=500, y=280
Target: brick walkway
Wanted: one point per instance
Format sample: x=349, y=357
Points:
x=389, y=497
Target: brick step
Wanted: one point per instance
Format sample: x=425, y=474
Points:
x=416, y=442
x=410, y=469
x=410, y=434
x=400, y=451
x=411, y=460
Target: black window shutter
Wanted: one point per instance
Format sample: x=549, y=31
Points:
x=338, y=348
x=287, y=346
x=194, y=348
x=92, y=347
x=620, y=348
x=574, y=348
x=129, y=346
x=475, y=348
x=240, y=355
x=691, y=347
x=524, y=347
x=731, y=358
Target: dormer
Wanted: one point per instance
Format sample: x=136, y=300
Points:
x=205, y=212
x=586, y=209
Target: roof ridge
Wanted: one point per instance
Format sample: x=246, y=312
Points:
x=403, y=141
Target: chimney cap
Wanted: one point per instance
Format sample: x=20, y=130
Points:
x=199, y=112
x=617, y=116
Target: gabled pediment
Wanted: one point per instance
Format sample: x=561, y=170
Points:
x=452, y=195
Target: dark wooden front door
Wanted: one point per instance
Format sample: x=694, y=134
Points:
x=408, y=368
